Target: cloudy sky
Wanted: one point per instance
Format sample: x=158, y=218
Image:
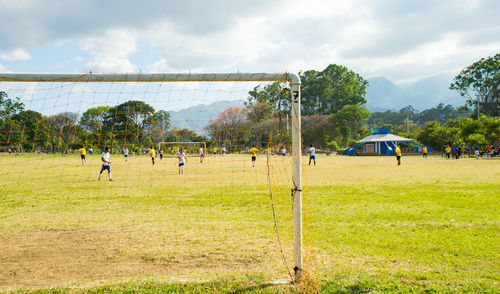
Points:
x=401, y=40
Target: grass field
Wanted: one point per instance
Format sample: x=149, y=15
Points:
x=428, y=225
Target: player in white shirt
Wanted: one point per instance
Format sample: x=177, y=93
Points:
x=283, y=151
x=125, y=153
x=182, y=160
x=202, y=155
x=312, y=155
x=223, y=151
x=106, y=164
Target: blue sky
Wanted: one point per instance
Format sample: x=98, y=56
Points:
x=401, y=40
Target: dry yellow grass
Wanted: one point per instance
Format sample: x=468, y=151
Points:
x=368, y=221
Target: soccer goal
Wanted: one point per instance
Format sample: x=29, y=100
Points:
x=210, y=215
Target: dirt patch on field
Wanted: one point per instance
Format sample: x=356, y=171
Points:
x=46, y=259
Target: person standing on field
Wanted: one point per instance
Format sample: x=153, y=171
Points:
x=152, y=153
x=202, y=155
x=82, y=155
x=398, y=155
x=254, y=151
x=424, y=152
x=161, y=154
x=476, y=152
x=312, y=154
x=448, y=151
x=106, y=163
x=125, y=153
x=181, y=155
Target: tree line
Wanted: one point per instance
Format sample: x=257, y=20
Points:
x=333, y=117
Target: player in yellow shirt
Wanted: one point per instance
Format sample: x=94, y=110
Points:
x=214, y=150
x=254, y=151
x=83, y=152
x=448, y=151
x=398, y=155
x=424, y=151
x=152, y=153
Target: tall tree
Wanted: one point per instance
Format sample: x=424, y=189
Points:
x=275, y=96
x=9, y=107
x=350, y=119
x=129, y=122
x=326, y=92
x=479, y=83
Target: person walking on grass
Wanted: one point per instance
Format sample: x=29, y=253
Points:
x=424, y=152
x=312, y=154
x=125, y=153
x=202, y=155
x=181, y=155
x=152, y=153
x=106, y=163
x=83, y=152
x=254, y=151
x=448, y=151
x=398, y=154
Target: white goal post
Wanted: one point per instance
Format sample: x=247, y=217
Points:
x=185, y=143
x=291, y=78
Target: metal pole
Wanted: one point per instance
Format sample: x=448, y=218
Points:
x=147, y=77
x=297, y=189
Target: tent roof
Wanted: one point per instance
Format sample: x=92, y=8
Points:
x=383, y=138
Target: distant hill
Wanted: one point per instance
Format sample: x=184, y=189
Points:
x=197, y=117
x=382, y=94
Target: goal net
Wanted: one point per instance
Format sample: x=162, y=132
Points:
x=84, y=201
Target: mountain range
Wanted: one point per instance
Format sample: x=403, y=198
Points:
x=382, y=95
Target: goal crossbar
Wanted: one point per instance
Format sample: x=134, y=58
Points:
x=292, y=78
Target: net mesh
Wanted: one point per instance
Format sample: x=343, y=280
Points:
x=60, y=223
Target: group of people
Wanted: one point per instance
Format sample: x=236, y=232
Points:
x=453, y=151
x=181, y=156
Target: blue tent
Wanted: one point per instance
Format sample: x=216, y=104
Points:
x=382, y=142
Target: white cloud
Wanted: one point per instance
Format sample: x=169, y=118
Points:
x=14, y=55
x=159, y=66
x=110, y=52
x=397, y=39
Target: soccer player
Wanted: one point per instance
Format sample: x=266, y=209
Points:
x=424, y=152
x=283, y=151
x=254, y=151
x=214, y=150
x=223, y=151
x=161, y=154
x=106, y=164
x=152, y=153
x=91, y=151
x=312, y=155
x=398, y=155
x=448, y=151
x=202, y=155
x=82, y=155
x=182, y=160
x=125, y=153
x=476, y=152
